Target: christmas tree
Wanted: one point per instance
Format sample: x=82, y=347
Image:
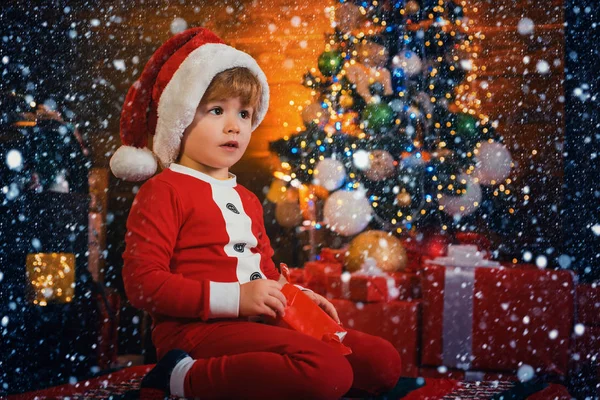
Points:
x=394, y=139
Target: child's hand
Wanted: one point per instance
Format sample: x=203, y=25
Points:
x=261, y=297
x=324, y=304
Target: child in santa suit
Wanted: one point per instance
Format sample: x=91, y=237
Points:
x=197, y=257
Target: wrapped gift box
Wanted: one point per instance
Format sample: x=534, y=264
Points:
x=403, y=286
x=296, y=276
x=336, y=288
x=395, y=321
x=413, y=257
x=408, y=284
x=588, y=304
x=479, y=315
x=316, y=272
x=333, y=255
x=586, y=345
x=304, y=315
x=424, y=247
x=373, y=288
x=584, y=368
x=473, y=238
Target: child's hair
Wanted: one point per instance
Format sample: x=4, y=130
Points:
x=235, y=82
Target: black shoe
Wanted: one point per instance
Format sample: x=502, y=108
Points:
x=158, y=380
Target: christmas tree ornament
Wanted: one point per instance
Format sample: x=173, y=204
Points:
x=433, y=244
x=397, y=105
x=309, y=195
x=412, y=7
x=288, y=214
x=378, y=117
x=493, y=162
x=347, y=212
x=409, y=61
x=307, y=202
x=329, y=173
x=466, y=126
x=370, y=70
x=348, y=123
x=381, y=165
x=361, y=160
x=403, y=199
x=414, y=113
x=411, y=160
x=319, y=191
x=465, y=204
x=330, y=63
x=346, y=101
x=349, y=18
x=315, y=114
x=277, y=191
x=292, y=194
x=423, y=101
x=379, y=248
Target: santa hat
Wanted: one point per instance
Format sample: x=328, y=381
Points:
x=163, y=101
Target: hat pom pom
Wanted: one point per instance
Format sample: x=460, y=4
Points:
x=133, y=163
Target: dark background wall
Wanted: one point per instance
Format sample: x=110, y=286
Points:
x=581, y=207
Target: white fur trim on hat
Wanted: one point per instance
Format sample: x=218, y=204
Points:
x=133, y=163
x=182, y=94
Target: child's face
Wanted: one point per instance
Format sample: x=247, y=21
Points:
x=217, y=137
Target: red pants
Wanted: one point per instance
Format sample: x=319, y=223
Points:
x=250, y=360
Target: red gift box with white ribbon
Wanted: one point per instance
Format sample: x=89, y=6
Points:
x=479, y=315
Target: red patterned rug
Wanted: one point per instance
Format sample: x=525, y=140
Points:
x=124, y=384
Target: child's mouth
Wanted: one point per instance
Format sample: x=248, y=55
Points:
x=230, y=146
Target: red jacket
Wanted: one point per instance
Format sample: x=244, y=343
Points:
x=191, y=241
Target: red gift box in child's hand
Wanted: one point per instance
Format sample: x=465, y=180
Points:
x=304, y=315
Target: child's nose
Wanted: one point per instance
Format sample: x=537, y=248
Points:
x=232, y=126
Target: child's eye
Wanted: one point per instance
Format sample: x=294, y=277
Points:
x=245, y=114
x=216, y=111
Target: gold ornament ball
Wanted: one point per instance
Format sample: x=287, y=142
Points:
x=346, y=101
x=288, y=214
x=386, y=250
x=403, y=199
x=412, y=7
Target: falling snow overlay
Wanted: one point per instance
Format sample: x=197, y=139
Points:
x=431, y=166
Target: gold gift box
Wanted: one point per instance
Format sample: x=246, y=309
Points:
x=52, y=277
